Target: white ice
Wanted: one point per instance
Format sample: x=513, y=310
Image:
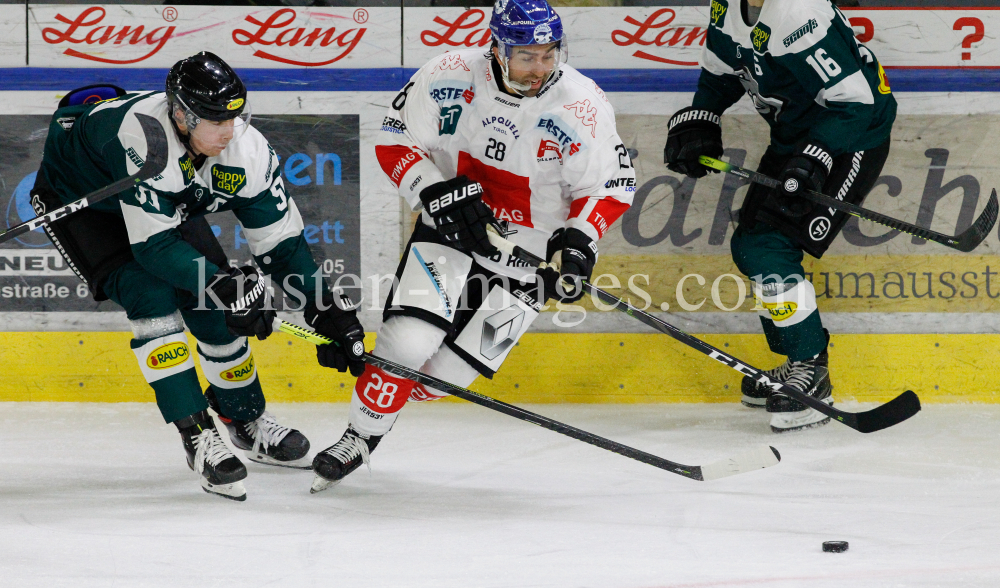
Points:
x=99, y=495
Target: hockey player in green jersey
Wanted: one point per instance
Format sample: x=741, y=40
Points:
x=830, y=111
x=151, y=251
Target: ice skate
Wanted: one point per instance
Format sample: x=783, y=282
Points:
x=334, y=463
x=264, y=440
x=207, y=454
x=755, y=394
x=811, y=376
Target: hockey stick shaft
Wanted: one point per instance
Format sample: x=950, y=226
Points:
x=966, y=241
x=895, y=411
x=156, y=162
x=746, y=461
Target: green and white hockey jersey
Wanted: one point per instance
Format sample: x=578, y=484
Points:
x=106, y=144
x=805, y=72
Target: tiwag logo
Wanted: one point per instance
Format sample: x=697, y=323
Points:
x=168, y=356
x=240, y=373
x=277, y=31
x=454, y=31
x=669, y=36
x=84, y=30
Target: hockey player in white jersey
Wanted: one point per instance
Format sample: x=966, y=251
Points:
x=514, y=138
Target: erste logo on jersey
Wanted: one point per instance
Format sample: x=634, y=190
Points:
x=587, y=113
x=556, y=127
x=228, y=179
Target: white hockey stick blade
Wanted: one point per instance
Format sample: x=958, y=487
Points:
x=763, y=456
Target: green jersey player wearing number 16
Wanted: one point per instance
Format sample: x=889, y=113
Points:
x=830, y=109
x=151, y=251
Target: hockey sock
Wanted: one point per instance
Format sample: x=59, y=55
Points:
x=168, y=368
x=232, y=373
x=794, y=314
x=378, y=397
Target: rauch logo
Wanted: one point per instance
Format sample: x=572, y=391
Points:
x=669, y=36
x=240, y=373
x=453, y=38
x=276, y=31
x=168, y=356
x=83, y=29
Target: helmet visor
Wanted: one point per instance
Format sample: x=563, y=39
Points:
x=212, y=136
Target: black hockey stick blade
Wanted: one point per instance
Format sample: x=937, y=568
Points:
x=896, y=411
x=966, y=242
x=156, y=162
x=745, y=461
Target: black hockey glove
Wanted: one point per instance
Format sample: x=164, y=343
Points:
x=806, y=170
x=693, y=132
x=246, y=301
x=338, y=322
x=571, y=254
x=460, y=215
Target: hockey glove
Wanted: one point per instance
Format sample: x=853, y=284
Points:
x=806, y=170
x=338, y=322
x=693, y=132
x=246, y=301
x=571, y=254
x=460, y=215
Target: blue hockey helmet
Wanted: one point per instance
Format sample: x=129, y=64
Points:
x=525, y=22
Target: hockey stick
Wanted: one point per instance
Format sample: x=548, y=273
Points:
x=966, y=241
x=156, y=162
x=753, y=459
x=891, y=413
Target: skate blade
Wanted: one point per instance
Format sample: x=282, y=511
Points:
x=750, y=402
x=298, y=464
x=234, y=491
x=320, y=484
x=788, y=422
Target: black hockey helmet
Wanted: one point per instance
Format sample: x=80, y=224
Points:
x=207, y=87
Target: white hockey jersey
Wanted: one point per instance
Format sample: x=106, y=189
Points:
x=550, y=161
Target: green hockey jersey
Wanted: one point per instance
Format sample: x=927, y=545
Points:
x=106, y=143
x=805, y=72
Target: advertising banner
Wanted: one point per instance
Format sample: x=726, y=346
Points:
x=320, y=164
x=648, y=37
x=13, y=49
x=939, y=175
x=80, y=35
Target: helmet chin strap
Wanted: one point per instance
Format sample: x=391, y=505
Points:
x=516, y=86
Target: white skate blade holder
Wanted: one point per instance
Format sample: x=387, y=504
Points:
x=235, y=491
x=320, y=484
x=303, y=463
x=757, y=458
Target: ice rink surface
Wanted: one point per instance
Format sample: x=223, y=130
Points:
x=98, y=495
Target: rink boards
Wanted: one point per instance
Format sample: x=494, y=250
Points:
x=882, y=294
x=545, y=368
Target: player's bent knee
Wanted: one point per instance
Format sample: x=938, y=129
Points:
x=408, y=341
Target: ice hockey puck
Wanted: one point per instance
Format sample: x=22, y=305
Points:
x=835, y=546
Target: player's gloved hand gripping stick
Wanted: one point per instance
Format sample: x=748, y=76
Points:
x=968, y=240
x=156, y=162
x=754, y=459
x=893, y=412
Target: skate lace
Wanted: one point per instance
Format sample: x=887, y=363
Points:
x=266, y=431
x=211, y=449
x=800, y=375
x=349, y=447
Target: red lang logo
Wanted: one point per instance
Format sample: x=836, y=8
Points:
x=276, y=31
x=452, y=35
x=85, y=30
x=670, y=36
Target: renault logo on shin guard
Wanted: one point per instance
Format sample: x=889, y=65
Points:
x=500, y=331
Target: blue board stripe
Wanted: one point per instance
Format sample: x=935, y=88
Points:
x=392, y=79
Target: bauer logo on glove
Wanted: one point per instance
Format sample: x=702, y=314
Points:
x=454, y=196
